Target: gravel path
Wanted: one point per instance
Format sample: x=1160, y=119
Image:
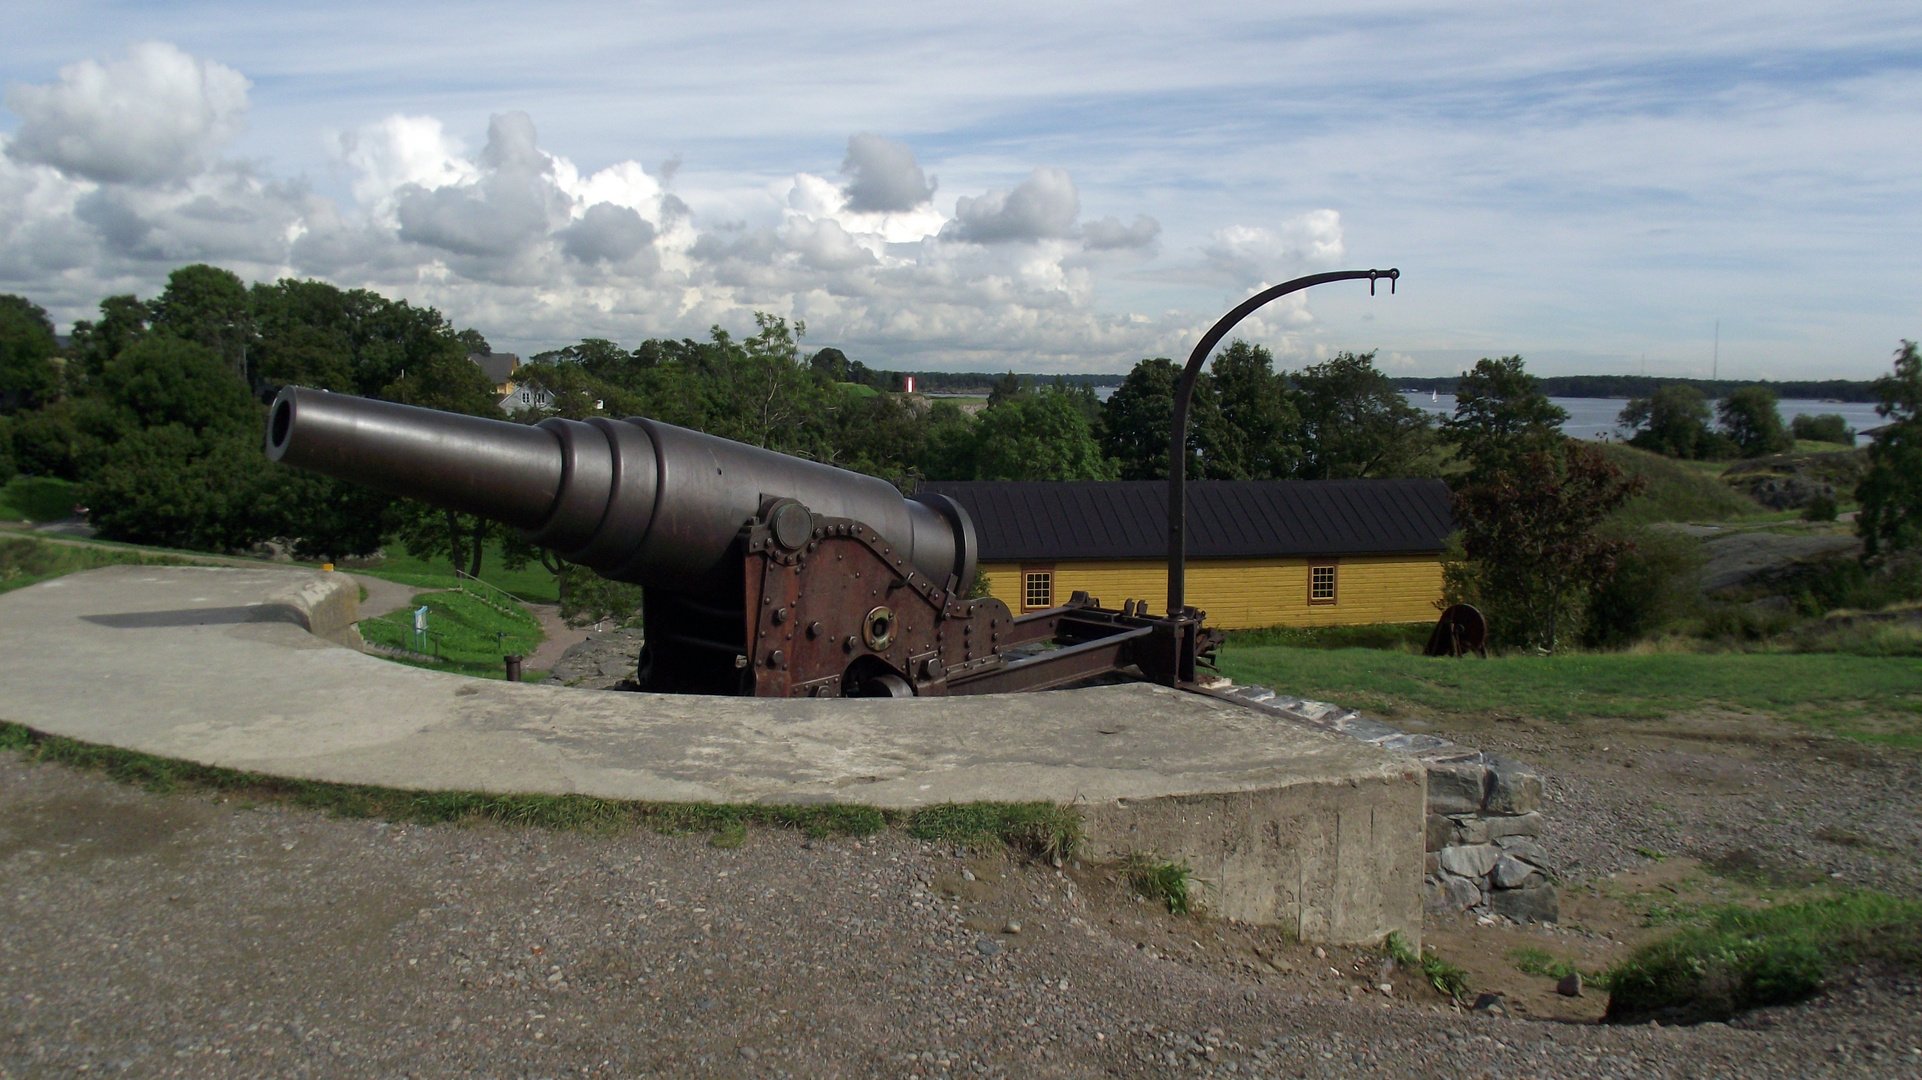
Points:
x=182, y=936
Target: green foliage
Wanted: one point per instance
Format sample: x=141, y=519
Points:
x=1890, y=519
x=1673, y=422
x=1501, y=416
x=1038, y=437
x=1821, y=507
x=1047, y=830
x=1872, y=699
x=29, y=372
x=1654, y=583
x=177, y=461
x=210, y=307
x=587, y=598
x=1536, y=551
x=1748, y=416
x=1139, y=416
x=465, y=631
x=1445, y=977
x=1827, y=427
x=1258, y=418
x=1734, y=958
x=1354, y=422
x=36, y=498
x=25, y=560
x=1170, y=883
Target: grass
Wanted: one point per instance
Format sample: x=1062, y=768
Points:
x=1043, y=829
x=1030, y=828
x=466, y=632
x=1532, y=961
x=1445, y=977
x=36, y=498
x=1875, y=699
x=1401, y=637
x=531, y=583
x=1170, y=883
x=26, y=560
x=1728, y=959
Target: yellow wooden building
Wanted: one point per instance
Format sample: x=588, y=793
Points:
x=1260, y=553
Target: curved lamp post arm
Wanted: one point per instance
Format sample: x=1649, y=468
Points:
x=1178, y=438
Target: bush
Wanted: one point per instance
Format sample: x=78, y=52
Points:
x=1828, y=428
x=1656, y=581
x=1820, y=508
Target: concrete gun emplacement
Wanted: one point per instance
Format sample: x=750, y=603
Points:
x=764, y=574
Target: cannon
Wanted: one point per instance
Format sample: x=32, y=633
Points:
x=764, y=575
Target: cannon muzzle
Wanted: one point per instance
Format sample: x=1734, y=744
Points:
x=634, y=500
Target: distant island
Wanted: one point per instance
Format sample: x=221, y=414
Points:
x=1641, y=386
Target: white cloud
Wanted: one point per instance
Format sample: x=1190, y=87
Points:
x=1109, y=234
x=1250, y=255
x=883, y=176
x=157, y=114
x=1040, y=207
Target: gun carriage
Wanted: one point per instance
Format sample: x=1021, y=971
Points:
x=764, y=575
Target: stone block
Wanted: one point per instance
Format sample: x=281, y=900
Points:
x=1529, y=824
x=1456, y=786
x=1431, y=863
x=1513, y=788
x=1511, y=873
x=1441, y=832
x=1471, y=829
x=1535, y=903
x=1449, y=895
x=1470, y=860
x=1521, y=847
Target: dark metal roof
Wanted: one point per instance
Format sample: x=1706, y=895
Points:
x=1128, y=519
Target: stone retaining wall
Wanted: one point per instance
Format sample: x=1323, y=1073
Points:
x=1484, y=814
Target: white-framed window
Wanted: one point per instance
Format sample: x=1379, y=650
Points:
x=1321, y=584
x=1037, y=588
x=524, y=398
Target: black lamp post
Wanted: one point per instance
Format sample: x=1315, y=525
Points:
x=1178, y=439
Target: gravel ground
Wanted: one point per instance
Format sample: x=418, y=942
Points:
x=183, y=936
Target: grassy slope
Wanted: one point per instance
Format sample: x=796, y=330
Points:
x=531, y=583
x=468, y=635
x=1871, y=698
x=1679, y=490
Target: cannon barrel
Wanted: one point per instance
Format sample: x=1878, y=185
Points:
x=633, y=500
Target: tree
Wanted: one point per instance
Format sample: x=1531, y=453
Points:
x=1828, y=428
x=1890, y=520
x=1138, y=419
x=1501, y=416
x=1673, y=422
x=1257, y=417
x=177, y=460
x=1749, y=416
x=1532, y=532
x=1038, y=437
x=210, y=307
x=122, y=320
x=29, y=374
x=1007, y=388
x=830, y=364
x=1354, y=423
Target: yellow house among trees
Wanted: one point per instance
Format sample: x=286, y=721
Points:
x=1260, y=552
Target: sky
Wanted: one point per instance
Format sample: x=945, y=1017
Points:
x=995, y=186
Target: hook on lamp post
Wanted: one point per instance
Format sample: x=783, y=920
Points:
x=1178, y=437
